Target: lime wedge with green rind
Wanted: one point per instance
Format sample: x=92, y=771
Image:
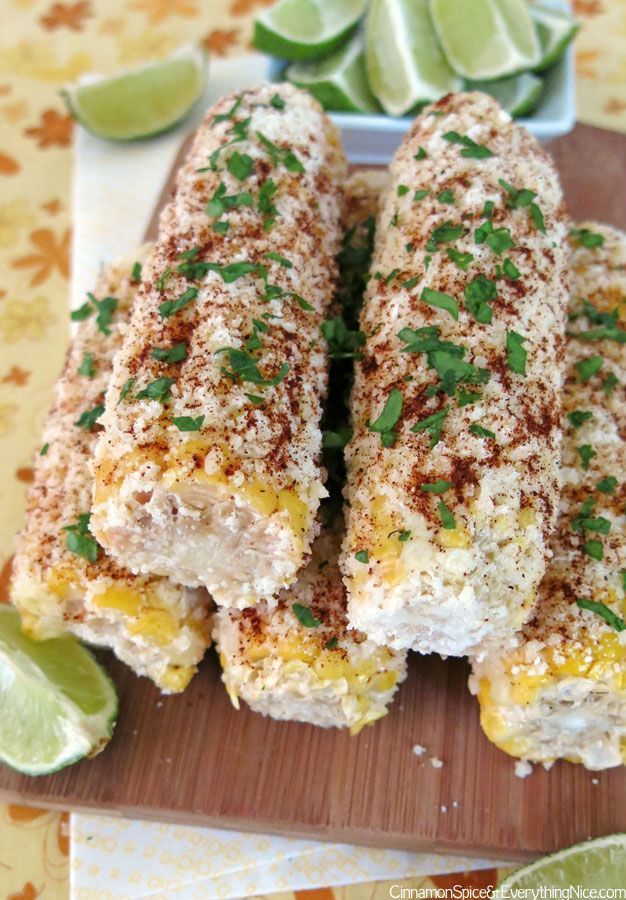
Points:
x=141, y=102
x=306, y=29
x=338, y=81
x=518, y=94
x=599, y=864
x=486, y=39
x=405, y=65
x=555, y=29
x=58, y=704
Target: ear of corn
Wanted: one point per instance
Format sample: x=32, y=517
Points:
x=453, y=467
x=560, y=692
x=209, y=470
x=62, y=579
x=300, y=660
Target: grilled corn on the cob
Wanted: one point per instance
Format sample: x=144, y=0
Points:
x=300, y=661
x=209, y=469
x=62, y=580
x=561, y=692
x=453, y=467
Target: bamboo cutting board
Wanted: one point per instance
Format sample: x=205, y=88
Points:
x=193, y=759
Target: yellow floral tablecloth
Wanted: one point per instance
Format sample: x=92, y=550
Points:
x=43, y=44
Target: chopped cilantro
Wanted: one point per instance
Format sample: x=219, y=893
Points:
x=471, y=149
x=188, y=423
x=462, y=260
x=362, y=556
x=402, y=190
x=447, y=518
x=83, y=312
x=586, y=453
x=44, y=450
x=587, y=368
x=587, y=238
x=440, y=486
x=255, y=399
x=444, y=234
x=446, y=196
x=105, y=307
x=278, y=155
x=336, y=440
x=343, y=342
x=388, y=418
x=466, y=398
x=479, y=431
x=79, y=539
x=175, y=353
x=277, y=102
x=276, y=257
x=89, y=417
x=135, y=274
x=331, y=644
x=419, y=195
x=479, y=293
x=171, y=307
x=126, y=389
x=433, y=425
x=441, y=300
x=221, y=227
x=410, y=283
x=87, y=366
x=160, y=390
x=602, y=610
x=578, y=417
x=245, y=367
x=510, y=270
x=240, y=165
x=609, y=384
x=421, y=154
x=515, y=353
x=607, y=485
x=594, y=549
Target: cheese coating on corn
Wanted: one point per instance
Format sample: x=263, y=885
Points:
x=561, y=691
x=453, y=468
x=300, y=661
x=209, y=470
x=62, y=581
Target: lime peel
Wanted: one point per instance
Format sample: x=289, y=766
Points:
x=58, y=704
x=140, y=102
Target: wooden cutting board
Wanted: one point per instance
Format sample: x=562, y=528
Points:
x=193, y=759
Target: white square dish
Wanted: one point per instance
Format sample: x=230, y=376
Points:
x=373, y=138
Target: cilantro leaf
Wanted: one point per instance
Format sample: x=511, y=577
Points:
x=479, y=293
x=441, y=300
x=440, y=486
x=433, y=425
x=471, y=150
x=89, y=417
x=389, y=417
x=515, y=353
x=587, y=368
x=587, y=238
x=304, y=616
x=175, y=353
x=188, y=423
x=447, y=518
x=602, y=610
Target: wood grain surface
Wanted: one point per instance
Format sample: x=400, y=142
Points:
x=193, y=759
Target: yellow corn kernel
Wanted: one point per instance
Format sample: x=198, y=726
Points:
x=383, y=681
x=297, y=510
x=453, y=539
x=125, y=599
x=176, y=678
x=527, y=517
x=157, y=625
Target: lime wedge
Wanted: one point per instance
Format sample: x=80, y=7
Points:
x=58, y=705
x=405, y=65
x=140, y=102
x=486, y=39
x=338, y=81
x=517, y=94
x=555, y=29
x=599, y=864
x=304, y=29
